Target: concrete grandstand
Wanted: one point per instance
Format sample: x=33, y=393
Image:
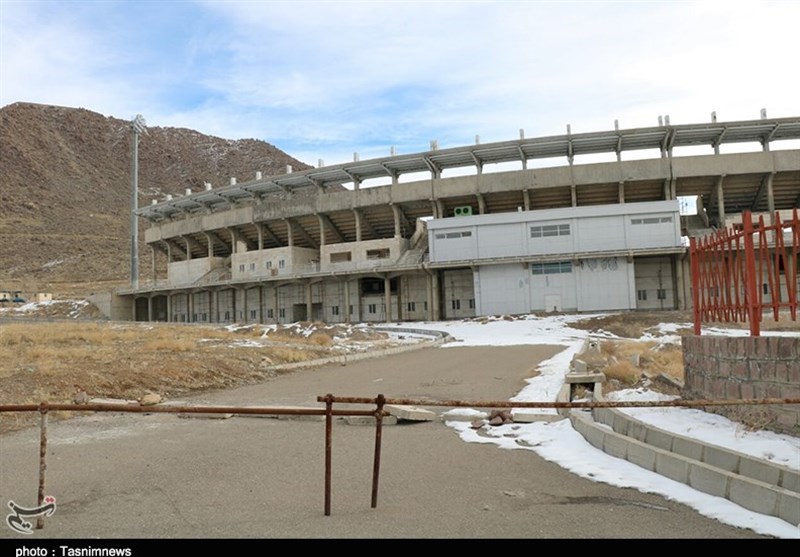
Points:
x=574, y=222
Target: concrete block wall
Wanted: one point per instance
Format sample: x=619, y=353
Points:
x=732, y=368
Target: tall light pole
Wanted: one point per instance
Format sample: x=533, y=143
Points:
x=137, y=127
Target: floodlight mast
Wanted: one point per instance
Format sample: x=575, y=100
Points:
x=137, y=127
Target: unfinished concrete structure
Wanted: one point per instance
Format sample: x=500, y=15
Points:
x=300, y=246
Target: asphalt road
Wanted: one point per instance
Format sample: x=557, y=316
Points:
x=161, y=476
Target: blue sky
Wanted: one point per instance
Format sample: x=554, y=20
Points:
x=322, y=80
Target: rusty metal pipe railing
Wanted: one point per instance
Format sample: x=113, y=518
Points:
x=378, y=413
x=596, y=404
x=139, y=409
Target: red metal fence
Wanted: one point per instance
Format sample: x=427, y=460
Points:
x=740, y=272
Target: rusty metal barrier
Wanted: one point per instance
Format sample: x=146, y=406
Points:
x=378, y=413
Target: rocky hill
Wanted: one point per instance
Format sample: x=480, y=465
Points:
x=65, y=190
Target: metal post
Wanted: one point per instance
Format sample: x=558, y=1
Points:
x=328, y=440
x=750, y=276
x=137, y=126
x=376, y=466
x=42, y=461
x=693, y=255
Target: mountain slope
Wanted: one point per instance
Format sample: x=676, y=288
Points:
x=65, y=189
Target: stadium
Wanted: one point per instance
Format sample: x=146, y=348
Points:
x=570, y=223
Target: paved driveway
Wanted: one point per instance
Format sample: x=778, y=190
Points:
x=160, y=476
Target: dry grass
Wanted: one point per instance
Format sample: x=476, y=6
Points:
x=628, y=361
x=53, y=361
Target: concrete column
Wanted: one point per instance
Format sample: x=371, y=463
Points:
x=275, y=311
x=396, y=213
x=212, y=307
x=573, y=192
x=150, y=307
x=770, y=199
x=429, y=295
x=133, y=309
x=169, y=307
x=234, y=305
x=309, y=305
x=260, y=231
x=153, y=264
x=481, y=204
x=347, y=301
x=437, y=310
x=621, y=192
x=261, y=303
x=289, y=233
x=387, y=298
x=189, y=307
x=321, y=230
x=357, y=216
x=169, y=254
x=188, y=248
x=720, y=202
x=210, y=242
x=245, y=305
x=215, y=306
x=526, y=199
x=400, y=296
x=440, y=208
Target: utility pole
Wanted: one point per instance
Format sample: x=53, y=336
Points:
x=137, y=127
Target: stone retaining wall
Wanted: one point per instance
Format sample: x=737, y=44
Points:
x=732, y=368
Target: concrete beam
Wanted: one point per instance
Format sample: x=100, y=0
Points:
x=765, y=189
x=302, y=231
x=270, y=234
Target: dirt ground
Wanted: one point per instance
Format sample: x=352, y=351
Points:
x=61, y=352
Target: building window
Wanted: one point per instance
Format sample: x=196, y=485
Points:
x=453, y=235
x=227, y=316
x=351, y=309
x=282, y=313
x=411, y=306
x=281, y=264
x=372, y=308
x=241, y=268
x=456, y=304
x=549, y=230
x=270, y=314
x=269, y=264
x=382, y=253
x=424, y=306
x=641, y=295
x=554, y=268
x=662, y=294
x=651, y=220
x=472, y=303
x=341, y=257
x=252, y=266
x=252, y=314
x=334, y=310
